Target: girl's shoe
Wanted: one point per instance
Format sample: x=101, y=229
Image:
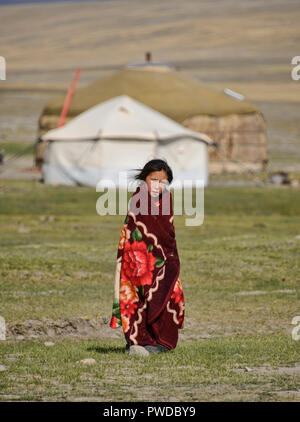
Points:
x=162, y=348
x=152, y=349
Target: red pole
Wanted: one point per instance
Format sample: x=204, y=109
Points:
x=68, y=100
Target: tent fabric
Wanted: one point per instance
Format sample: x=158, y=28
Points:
x=121, y=135
x=122, y=117
x=170, y=93
x=76, y=163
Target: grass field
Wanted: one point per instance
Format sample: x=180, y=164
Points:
x=240, y=274
x=239, y=270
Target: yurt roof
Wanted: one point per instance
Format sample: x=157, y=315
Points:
x=168, y=92
x=122, y=118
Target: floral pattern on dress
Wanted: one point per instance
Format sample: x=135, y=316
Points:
x=128, y=299
x=138, y=264
x=125, y=235
x=128, y=291
x=177, y=294
x=178, y=299
x=145, y=278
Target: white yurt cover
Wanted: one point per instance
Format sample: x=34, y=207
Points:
x=114, y=137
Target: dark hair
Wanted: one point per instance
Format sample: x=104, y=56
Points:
x=154, y=165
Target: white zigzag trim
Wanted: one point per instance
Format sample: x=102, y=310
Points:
x=159, y=277
x=135, y=325
x=139, y=223
x=172, y=311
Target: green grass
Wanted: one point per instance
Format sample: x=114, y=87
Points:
x=57, y=259
x=211, y=369
x=17, y=148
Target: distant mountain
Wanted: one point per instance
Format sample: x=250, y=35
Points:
x=7, y=2
x=30, y=1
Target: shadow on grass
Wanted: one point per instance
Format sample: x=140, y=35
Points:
x=107, y=349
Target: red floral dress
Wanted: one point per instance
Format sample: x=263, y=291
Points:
x=148, y=296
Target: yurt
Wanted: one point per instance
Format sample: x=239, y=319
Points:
x=117, y=136
x=237, y=127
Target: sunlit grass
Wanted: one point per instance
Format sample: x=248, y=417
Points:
x=57, y=259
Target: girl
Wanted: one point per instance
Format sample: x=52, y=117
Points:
x=148, y=298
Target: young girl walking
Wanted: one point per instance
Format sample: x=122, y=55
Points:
x=148, y=297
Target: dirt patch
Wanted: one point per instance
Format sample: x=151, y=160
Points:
x=18, y=168
x=268, y=369
x=64, y=327
x=264, y=292
x=195, y=329
x=289, y=394
x=78, y=327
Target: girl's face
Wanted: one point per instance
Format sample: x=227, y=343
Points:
x=156, y=182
